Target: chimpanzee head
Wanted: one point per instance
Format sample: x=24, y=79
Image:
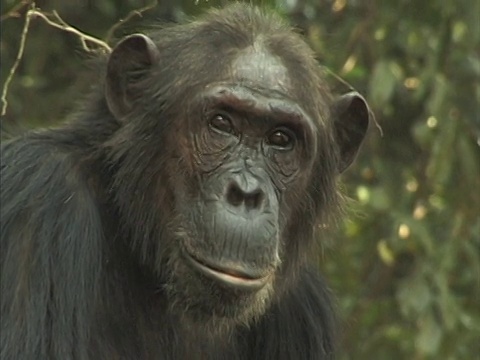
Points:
x=227, y=155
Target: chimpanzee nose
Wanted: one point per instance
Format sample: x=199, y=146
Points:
x=245, y=191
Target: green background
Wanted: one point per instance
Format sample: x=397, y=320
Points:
x=405, y=264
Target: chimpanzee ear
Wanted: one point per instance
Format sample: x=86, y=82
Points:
x=352, y=115
x=133, y=55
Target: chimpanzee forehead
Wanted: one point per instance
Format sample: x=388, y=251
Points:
x=256, y=65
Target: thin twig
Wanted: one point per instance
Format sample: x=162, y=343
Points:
x=14, y=67
x=62, y=25
x=130, y=15
x=59, y=24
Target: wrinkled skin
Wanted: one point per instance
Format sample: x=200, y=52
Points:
x=173, y=217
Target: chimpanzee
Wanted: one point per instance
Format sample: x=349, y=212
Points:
x=173, y=216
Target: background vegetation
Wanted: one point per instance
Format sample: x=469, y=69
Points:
x=406, y=265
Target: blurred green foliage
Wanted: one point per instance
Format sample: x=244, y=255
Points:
x=406, y=264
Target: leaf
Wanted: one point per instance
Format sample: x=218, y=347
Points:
x=436, y=102
x=384, y=79
x=414, y=296
x=439, y=169
x=428, y=340
x=469, y=161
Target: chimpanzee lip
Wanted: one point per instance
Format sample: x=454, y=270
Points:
x=234, y=277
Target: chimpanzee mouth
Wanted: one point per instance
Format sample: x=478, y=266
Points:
x=239, y=278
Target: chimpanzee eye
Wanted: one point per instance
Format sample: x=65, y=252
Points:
x=221, y=123
x=281, y=138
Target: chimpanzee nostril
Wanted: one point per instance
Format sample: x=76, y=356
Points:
x=234, y=195
x=254, y=200
x=237, y=196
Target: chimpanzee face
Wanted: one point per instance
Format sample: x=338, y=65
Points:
x=247, y=154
